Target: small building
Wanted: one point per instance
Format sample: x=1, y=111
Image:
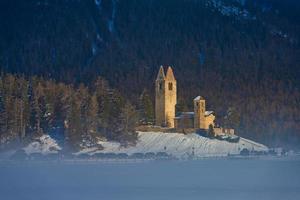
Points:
x=186, y=120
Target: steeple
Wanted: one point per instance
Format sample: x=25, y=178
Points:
x=170, y=74
x=161, y=74
x=165, y=98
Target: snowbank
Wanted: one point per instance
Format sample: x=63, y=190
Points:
x=179, y=145
x=44, y=145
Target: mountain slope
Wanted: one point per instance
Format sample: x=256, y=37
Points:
x=242, y=55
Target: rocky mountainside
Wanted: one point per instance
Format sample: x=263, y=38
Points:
x=242, y=55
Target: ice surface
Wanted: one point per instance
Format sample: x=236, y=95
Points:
x=173, y=180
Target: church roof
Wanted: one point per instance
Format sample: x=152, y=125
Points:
x=170, y=74
x=161, y=74
x=207, y=113
x=185, y=115
x=198, y=98
x=191, y=114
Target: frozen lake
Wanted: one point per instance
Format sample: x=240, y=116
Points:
x=203, y=179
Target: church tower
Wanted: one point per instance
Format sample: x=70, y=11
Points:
x=165, y=98
x=199, y=113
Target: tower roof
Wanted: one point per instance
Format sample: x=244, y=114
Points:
x=161, y=74
x=198, y=98
x=170, y=74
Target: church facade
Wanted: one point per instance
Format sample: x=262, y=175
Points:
x=165, y=104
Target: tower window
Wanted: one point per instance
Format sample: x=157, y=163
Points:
x=160, y=86
x=170, y=86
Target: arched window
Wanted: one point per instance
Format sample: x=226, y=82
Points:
x=160, y=86
x=170, y=86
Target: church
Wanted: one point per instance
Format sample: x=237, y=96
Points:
x=165, y=103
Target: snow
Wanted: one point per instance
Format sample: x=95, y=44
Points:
x=198, y=98
x=191, y=114
x=279, y=33
x=94, y=49
x=185, y=115
x=230, y=10
x=111, y=22
x=208, y=113
x=44, y=145
x=188, y=113
x=98, y=3
x=179, y=145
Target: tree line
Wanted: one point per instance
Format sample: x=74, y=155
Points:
x=81, y=115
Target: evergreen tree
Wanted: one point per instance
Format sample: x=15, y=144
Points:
x=93, y=117
x=73, y=125
x=38, y=106
x=3, y=117
x=128, y=122
x=147, y=109
x=210, y=131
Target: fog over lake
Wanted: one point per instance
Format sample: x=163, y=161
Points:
x=202, y=179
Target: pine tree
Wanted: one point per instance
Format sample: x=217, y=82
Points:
x=128, y=122
x=210, y=131
x=3, y=115
x=38, y=106
x=93, y=116
x=24, y=107
x=50, y=104
x=73, y=126
x=147, y=109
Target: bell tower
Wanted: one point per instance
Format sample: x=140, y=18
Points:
x=199, y=113
x=165, y=98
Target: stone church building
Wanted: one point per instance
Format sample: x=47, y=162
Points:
x=166, y=100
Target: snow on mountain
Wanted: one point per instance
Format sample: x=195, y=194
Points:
x=179, y=145
x=44, y=145
x=98, y=3
x=231, y=10
x=111, y=21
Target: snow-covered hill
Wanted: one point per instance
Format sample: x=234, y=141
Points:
x=44, y=145
x=179, y=145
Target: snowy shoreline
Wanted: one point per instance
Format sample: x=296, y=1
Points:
x=149, y=146
x=179, y=146
x=96, y=161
